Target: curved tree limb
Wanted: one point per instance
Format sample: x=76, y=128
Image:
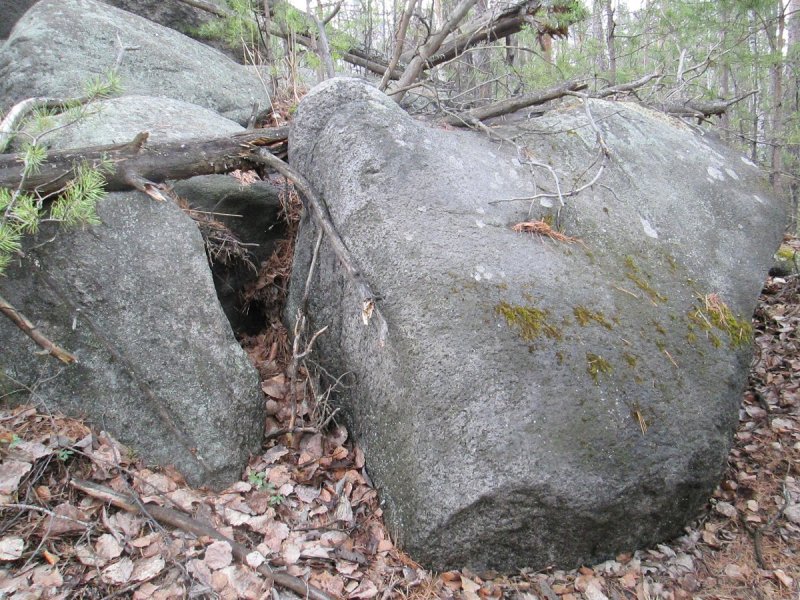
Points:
x=32, y=332
x=319, y=213
x=516, y=103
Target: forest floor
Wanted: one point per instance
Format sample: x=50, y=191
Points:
x=305, y=506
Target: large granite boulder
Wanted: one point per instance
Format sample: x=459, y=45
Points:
x=169, y=13
x=133, y=298
x=158, y=366
x=535, y=402
x=12, y=10
x=58, y=46
x=119, y=120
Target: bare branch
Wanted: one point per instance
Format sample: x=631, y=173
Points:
x=32, y=332
x=319, y=213
x=399, y=39
x=511, y=105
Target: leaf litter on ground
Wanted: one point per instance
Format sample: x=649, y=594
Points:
x=306, y=506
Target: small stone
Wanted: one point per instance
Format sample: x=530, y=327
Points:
x=725, y=509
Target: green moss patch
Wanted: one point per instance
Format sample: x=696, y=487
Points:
x=597, y=365
x=713, y=314
x=531, y=322
x=584, y=316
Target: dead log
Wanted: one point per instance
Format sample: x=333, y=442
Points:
x=490, y=28
x=701, y=110
x=152, y=162
x=514, y=104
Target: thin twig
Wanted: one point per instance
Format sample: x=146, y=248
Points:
x=32, y=332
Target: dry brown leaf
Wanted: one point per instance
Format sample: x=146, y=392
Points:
x=87, y=557
x=147, y=568
x=279, y=475
x=11, y=472
x=628, y=580
x=145, y=591
x=725, y=509
x=365, y=590
x=127, y=523
x=218, y=555
x=199, y=569
x=328, y=582
x=184, y=499
x=255, y=559
x=781, y=576
x=275, y=387
x=11, y=548
x=107, y=547
x=47, y=577
x=290, y=552
x=118, y=573
x=66, y=519
x=468, y=585
x=28, y=451
x=274, y=536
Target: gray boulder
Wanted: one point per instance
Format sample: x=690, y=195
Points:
x=158, y=364
x=133, y=298
x=181, y=17
x=58, y=46
x=536, y=402
x=169, y=13
x=12, y=10
x=119, y=120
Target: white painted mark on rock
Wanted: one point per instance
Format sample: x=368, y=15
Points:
x=758, y=198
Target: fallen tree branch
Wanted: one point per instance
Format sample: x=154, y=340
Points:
x=209, y=7
x=32, y=332
x=399, y=40
x=169, y=516
x=514, y=104
x=625, y=87
x=692, y=108
x=489, y=28
x=18, y=112
x=319, y=213
x=418, y=63
x=150, y=162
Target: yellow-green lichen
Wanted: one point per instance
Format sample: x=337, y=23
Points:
x=630, y=359
x=584, y=316
x=597, y=365
x=714, y=313
x=635, y=275
x=785, y=252
x=530, y=321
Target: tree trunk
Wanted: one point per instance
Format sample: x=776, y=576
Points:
x=611, y=44
x=598, y=37
x=138, y=160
